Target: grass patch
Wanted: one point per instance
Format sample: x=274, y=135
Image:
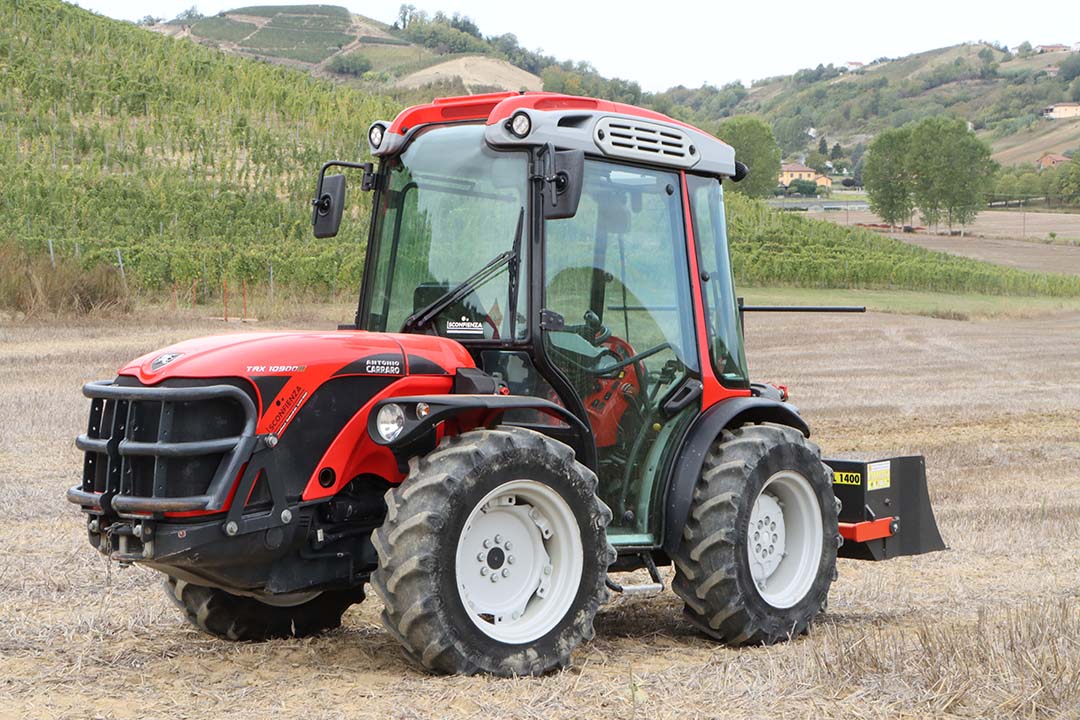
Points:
x=963, y=306
x=272, y=10
x=384, y=58
x=329, y=23
x=222, y=29
x=297, y=44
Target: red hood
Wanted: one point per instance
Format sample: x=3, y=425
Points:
x=315, y=354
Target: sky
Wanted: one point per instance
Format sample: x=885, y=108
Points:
x=661, y=45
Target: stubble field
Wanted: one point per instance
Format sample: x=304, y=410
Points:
x=990, y=628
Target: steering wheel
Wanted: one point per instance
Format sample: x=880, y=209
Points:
x=633, y=359
x=592, y=330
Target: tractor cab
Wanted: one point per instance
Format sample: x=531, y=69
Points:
x=556, y=239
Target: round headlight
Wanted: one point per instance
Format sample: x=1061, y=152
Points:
x=375, y=135
x=390, y=421
x=520, y=124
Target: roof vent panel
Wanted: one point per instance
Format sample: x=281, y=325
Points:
x=635, y=139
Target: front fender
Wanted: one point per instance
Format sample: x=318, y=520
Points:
x=699, y=438
x=417, y=437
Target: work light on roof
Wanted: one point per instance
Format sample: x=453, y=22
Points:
x=375, y=135
x=520, y=124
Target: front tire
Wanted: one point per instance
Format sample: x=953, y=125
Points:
x=243, y=618
x=493, y=555
x=759, y=548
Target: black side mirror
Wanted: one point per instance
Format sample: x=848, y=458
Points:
x=562, y=193
x=326, y=215
x=329, y=202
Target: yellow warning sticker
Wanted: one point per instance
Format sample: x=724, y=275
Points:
x=879, y=475
x=846, y=478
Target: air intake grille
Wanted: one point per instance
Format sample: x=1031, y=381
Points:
x=642, y=140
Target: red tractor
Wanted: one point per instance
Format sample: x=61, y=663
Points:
x=544, y=382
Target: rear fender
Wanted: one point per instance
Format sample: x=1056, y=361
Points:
x=686, y=471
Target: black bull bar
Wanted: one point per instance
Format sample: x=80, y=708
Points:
x=116, y=446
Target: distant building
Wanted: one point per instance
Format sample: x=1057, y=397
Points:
x=1051, y=160
x=852, y=65
x=790, y=172
x=1062, y=111
x=1053, y=70
x=1051, y=48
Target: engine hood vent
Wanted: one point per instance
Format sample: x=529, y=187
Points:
x=635, y=139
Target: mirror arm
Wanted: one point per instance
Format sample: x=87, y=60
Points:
x=320, y=200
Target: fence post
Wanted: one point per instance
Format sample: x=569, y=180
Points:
x=52, y=256
x=225, y=296
x=123, y=275
x=271, y=282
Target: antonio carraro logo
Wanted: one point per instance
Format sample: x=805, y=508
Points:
x=162, y=360
x=465, y=326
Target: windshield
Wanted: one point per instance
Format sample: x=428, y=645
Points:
x=450, y=206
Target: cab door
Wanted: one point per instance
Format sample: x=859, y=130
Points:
x=616, y=280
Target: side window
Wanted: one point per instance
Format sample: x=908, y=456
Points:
x=617, y=273
x=721, y=312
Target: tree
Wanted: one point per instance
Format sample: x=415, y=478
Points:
x=149, y=20
x=837, y=152
x=1069, y=69
x=790, y=133
x=823, y=146
x=754, y=145
x=405, y=14
x=817, y=161
x=951, y=170
x=187, y=17
x=1074, y=90
x=887, y=177
x=807, y=188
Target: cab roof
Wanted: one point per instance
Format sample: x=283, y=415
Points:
x=570, y=122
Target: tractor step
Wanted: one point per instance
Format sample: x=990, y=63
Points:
x=654, y=588
x=885, y=511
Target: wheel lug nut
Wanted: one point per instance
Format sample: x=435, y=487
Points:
x=484, y=570
x=487, y=543
x=498, y=539
x=508, y=545
x=480, y=557
x=506, y=572
x=773, y=526
x=495, y=578
x=509, y=559
x=776, y=538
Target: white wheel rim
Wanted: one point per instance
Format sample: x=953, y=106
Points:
x=523, y=534
x=783, y=539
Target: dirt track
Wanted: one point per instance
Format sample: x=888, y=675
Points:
x=989, y=628
x=1004, y=237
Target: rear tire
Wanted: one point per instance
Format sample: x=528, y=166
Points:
x=455, y=597
x=747, y=590
x=242, y=618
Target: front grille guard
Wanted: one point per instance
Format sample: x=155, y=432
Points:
x=117, y=446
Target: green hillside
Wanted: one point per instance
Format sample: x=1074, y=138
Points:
x=1002, y=94
x=189, y=162
x=191, y=165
